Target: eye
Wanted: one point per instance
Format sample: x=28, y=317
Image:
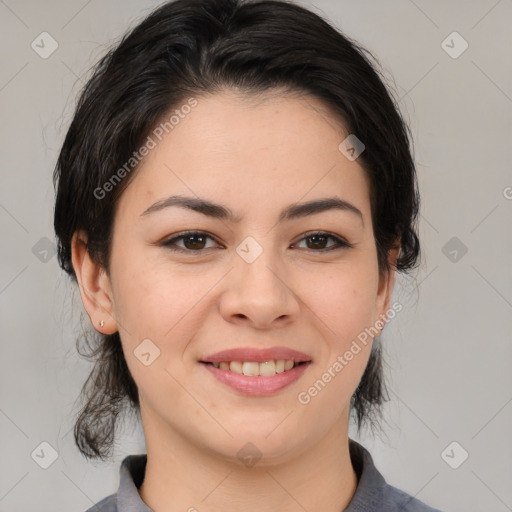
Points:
x=319, y=240
x=194, y=241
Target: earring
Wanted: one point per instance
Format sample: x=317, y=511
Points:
x=101, y=323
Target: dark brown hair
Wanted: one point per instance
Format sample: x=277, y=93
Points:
x=191, y=47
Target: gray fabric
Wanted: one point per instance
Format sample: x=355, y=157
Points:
x=373, y=494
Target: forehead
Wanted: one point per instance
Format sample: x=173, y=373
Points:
x=255, y=150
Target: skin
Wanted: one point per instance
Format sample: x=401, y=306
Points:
x=255, y=155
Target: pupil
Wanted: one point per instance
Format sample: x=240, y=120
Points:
x=316, y=237
x=196, y=239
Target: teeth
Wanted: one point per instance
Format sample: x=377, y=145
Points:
x=236, y=366
x=253, y=369
x=266, y=369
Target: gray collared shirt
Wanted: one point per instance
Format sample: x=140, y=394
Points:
x=373, y=494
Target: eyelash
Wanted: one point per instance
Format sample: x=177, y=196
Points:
x=341, y=244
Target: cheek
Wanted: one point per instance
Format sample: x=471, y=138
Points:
x=344, y=299
x=346, y=308
x=156, y=306
x=330, y=391
x=155, y=301
x=152, y=303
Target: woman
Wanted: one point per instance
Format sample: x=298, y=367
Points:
x=235, y=195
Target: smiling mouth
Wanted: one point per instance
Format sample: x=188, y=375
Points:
x=255, y=369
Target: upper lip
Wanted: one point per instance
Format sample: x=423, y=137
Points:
x=258, y=355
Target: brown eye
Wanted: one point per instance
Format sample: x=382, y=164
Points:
x=318, y=241
x=193, y=241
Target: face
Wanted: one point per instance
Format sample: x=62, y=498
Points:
x=258, y=279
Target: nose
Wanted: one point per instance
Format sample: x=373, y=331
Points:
x=259, y=293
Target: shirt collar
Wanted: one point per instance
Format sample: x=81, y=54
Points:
x=368, y=496
x=131, y=477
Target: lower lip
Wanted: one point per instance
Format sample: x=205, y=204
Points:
x=257, y=386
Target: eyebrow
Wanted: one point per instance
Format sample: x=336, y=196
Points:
x=217, y=211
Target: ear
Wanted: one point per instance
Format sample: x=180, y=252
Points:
x=94, y=285
x=386, y=284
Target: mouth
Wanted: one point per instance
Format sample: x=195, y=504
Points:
x=257, y=379
x=258, y=369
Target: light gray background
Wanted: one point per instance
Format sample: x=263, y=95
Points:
x=448, y=351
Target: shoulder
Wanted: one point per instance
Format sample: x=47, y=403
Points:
x=397, y=500
x=131, y=475
x=373, y=493
x=108, y=504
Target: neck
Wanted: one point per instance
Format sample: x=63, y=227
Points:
x=184, y=476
